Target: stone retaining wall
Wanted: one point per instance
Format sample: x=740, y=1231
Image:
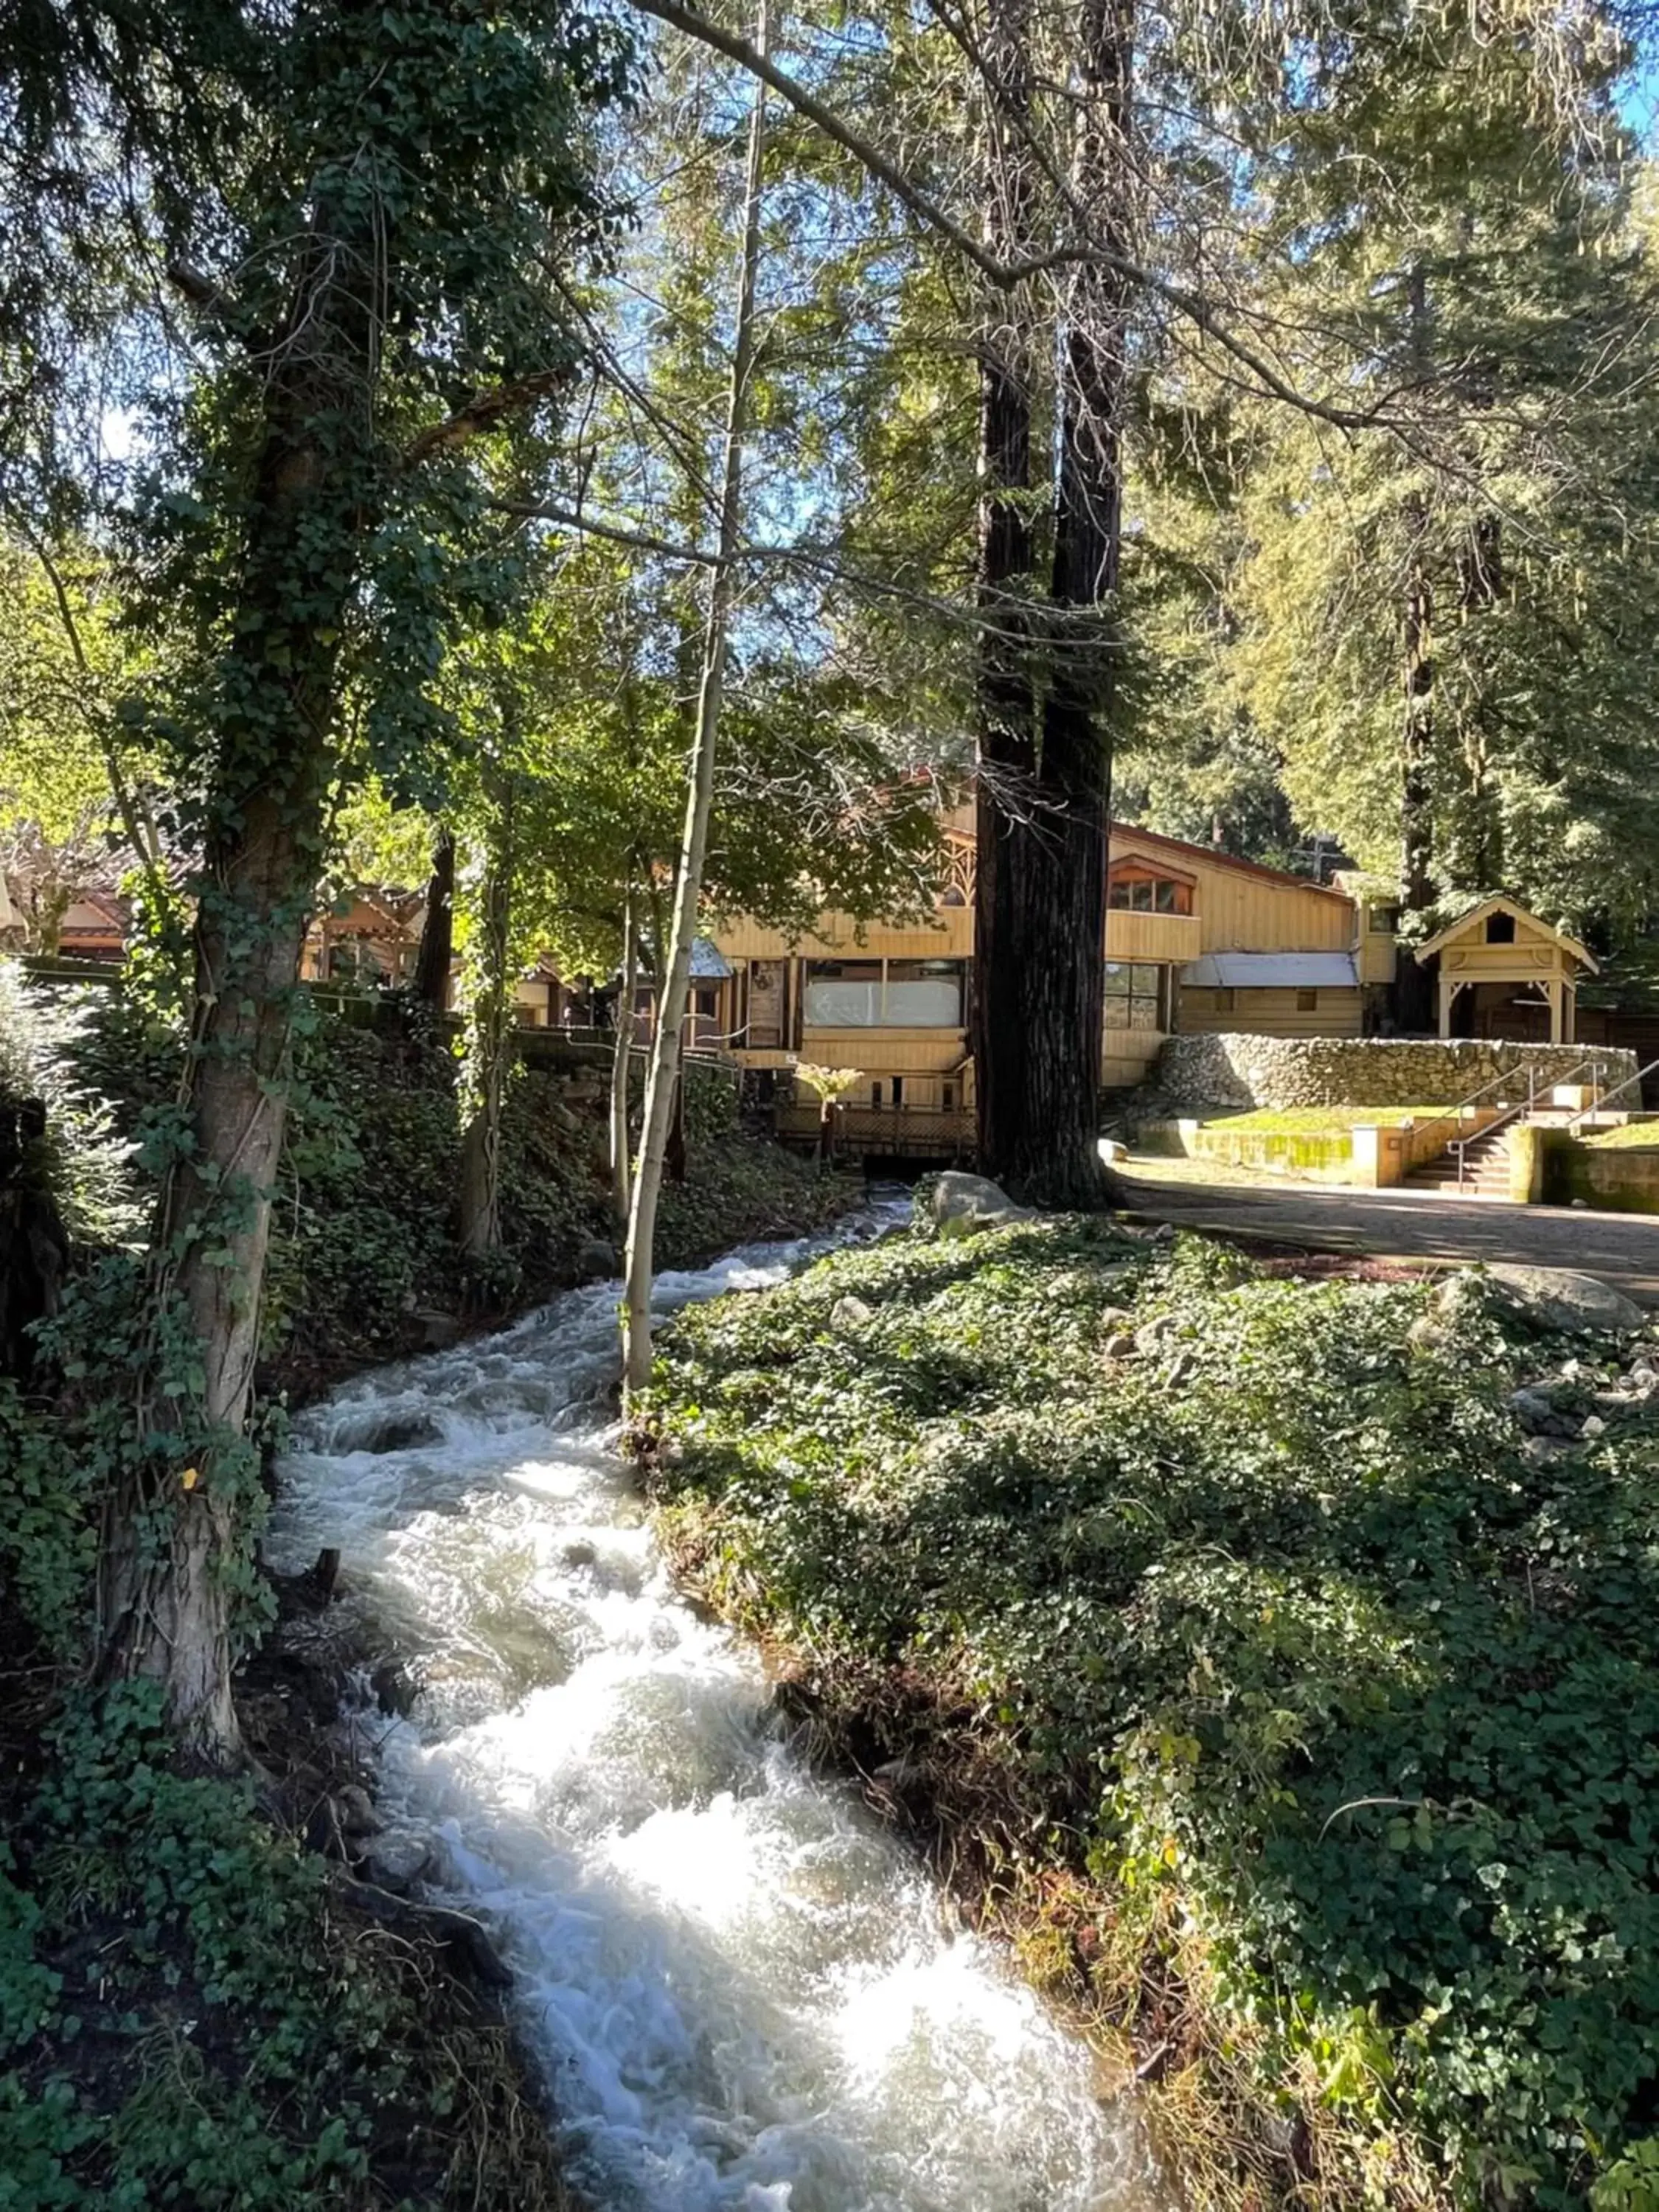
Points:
x=1232, y=1070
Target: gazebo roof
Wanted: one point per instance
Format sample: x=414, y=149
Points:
x=1500, y=902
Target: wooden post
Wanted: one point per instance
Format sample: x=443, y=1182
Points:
x=1447, y=992
x=1558, y=991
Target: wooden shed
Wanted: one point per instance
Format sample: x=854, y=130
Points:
x=1505, y=972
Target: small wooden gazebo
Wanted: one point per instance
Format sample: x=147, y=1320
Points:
x=1509, y=961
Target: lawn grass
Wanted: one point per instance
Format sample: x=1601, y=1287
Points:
x=1628, y=1135
x=1317, y=1120
x=1294, y=1718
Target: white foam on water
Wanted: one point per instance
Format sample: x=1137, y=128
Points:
x=744, y=1993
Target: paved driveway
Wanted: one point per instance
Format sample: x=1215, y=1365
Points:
x=1622, y=1248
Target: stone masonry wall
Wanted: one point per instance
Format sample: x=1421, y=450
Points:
x=1239, y=1071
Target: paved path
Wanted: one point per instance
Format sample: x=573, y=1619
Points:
x=1622, y=1248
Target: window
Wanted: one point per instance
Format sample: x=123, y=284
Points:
x=875, y=1094
x=1307, y=1002
x=843, y=994
x=1383, y=920
x=898, y=1091
x=1500, y=929
x=1134, y=994
x=1136, y=889
x=947, y=1095
x=870, y=994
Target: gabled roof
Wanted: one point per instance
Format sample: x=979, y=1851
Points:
x=1501, y=903
x=1273, y=971
x=1214, y=857
x=1211, y=856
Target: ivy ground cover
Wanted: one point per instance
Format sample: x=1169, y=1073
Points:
x=1308, y=1716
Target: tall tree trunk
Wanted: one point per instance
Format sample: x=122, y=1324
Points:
x=674, y=980
x=490, y=1043
x=621, y=1061
x=438, y=930
x=172, y=1532
x=1062, y=922
x=1414, y=988
x=1006, y=736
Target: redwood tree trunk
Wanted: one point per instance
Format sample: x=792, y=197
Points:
x=1002, y=1043
x=1064, y=885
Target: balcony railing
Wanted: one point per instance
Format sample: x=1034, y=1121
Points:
x=1131, y=935
x=915, y=1132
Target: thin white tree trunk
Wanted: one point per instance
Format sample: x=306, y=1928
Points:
x=622, y=1151
x=674, y=981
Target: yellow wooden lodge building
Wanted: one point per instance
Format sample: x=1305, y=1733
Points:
x=1196, y=940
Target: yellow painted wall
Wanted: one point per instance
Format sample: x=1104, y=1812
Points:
x=1269, y=1013
x=894, y=1051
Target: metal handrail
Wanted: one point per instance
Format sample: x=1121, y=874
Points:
x=1460, y=1146
x=1584, y=1112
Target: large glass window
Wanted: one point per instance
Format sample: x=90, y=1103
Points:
x=1140, y=891
x=910, y=994
x=1134, y=994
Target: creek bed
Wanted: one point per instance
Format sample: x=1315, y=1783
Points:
x=743, y=1991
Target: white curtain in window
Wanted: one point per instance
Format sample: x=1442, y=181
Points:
x=934, y=1003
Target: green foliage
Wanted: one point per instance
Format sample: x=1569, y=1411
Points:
x=1271, y=1629
x=86, y=1165
x=185, y=2019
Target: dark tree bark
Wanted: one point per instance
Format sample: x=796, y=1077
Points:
x=1414, y=988
x=1006, y=737
x=1414, y=1009
x=1044, y=806
x=438, y=931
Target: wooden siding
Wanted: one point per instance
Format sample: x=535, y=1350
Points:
x=897, y=1052
x=1240, y=911
x=1269, y=1013
x=1127, y=1056
x=1177, y=937
x=948, y=937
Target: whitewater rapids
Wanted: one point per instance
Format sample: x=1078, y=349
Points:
x=743, y=1991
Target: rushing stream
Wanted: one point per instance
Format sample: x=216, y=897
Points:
x=744, y=1992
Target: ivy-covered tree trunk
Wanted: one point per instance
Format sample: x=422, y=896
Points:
x=174, y=1559
x=432, y=962
x=1413, y=1008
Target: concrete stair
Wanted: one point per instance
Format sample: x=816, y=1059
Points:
x=1485, y=1170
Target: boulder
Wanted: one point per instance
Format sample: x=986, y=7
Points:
x=1561, y=1298
x=963, y=1203
x=396, y=1860
x=1111, y=1151
x=1154, y=1336
x=848, y=1313
x=1119, y=1346
x=354, y=1810
x=597, y=1261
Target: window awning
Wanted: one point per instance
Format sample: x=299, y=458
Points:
x=709, y=963
x=1273, y=971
